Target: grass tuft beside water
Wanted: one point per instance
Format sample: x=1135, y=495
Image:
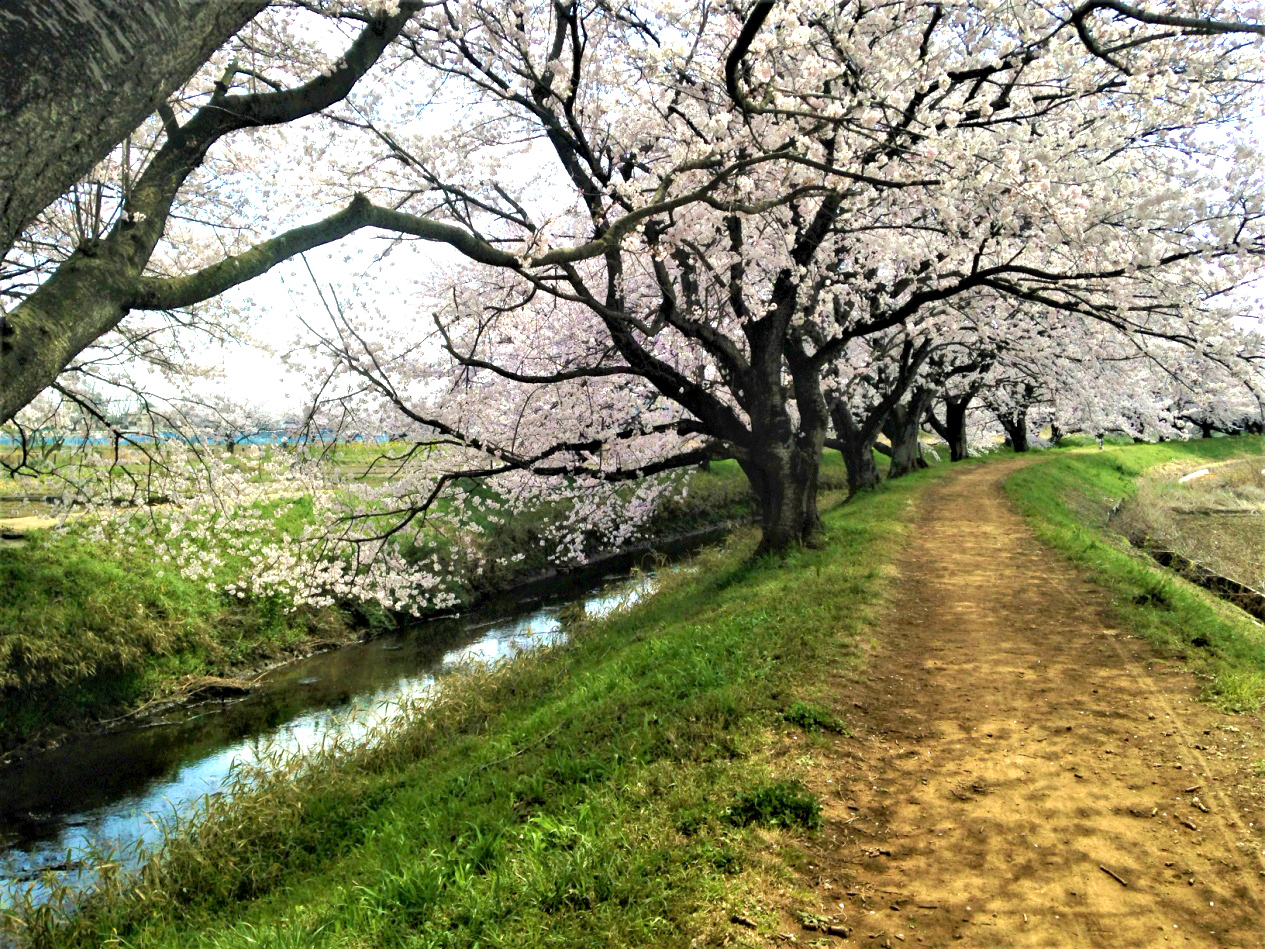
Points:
x=585, y=796
x=88, y=632
x=1070, y=498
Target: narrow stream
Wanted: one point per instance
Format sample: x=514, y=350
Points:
x=116, y=792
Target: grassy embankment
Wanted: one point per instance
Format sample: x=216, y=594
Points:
x=1069, y=498
x=602, y=793
x=619, y=791
x=89, y=630
x=1210, y=520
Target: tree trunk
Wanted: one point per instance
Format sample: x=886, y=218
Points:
x=953, y=428
x=785, y=484
x=784, y=459
x=806, y=471
x=858, y=460
x=955, y=422
x=902, y=428
x=855, y=443
x=1016, y=425
x=80, y=75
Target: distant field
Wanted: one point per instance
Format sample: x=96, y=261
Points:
x=1216, y=519
x=1092, y=504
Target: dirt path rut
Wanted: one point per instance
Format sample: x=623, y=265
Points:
x=1025, y=774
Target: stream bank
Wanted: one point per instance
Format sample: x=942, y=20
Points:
x=338, y=630
x=89, y=636
x=110, y=796
x=576, y=796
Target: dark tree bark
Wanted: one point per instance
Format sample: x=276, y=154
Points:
x=854, y=440
x=782, y=458
x=80, y=75
x=858, y=460
x=785, y=485
x=1015, y=422
x=953, y=428
x=902, y=428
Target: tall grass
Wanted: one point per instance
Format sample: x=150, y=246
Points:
x=1070, y=499
x=584, y=796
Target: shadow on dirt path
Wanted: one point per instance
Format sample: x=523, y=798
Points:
x=1025, y=774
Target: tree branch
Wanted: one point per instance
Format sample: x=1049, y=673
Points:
x=755, y=19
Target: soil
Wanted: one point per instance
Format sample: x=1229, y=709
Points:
x=1024, y=772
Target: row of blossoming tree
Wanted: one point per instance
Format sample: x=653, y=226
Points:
x=621, y=240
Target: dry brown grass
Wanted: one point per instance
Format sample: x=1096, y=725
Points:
x=1217, y=520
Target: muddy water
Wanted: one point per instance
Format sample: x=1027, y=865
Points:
x=116, y=792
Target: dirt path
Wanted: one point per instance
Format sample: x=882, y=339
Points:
x=1027, y=775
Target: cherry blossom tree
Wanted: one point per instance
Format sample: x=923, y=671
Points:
x=856, y=170
x=869, y=393
x=684, y=217
x=74, y=280
x=80, y=76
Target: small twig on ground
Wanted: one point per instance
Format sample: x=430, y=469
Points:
x=1115, y=876
x=514, y=754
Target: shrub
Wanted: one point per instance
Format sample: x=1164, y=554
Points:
x=812, y=718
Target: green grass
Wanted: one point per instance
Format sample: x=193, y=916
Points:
x=88, y=631
x=598, y=794
x=1069, y=497
x=579, y=797
x=815, y=718
x=785, y=804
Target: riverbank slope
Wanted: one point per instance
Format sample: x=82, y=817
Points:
x=673, y=777
x=91, y=631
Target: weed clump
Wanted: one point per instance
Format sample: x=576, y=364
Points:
x=784, y=804
x=814, y=718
